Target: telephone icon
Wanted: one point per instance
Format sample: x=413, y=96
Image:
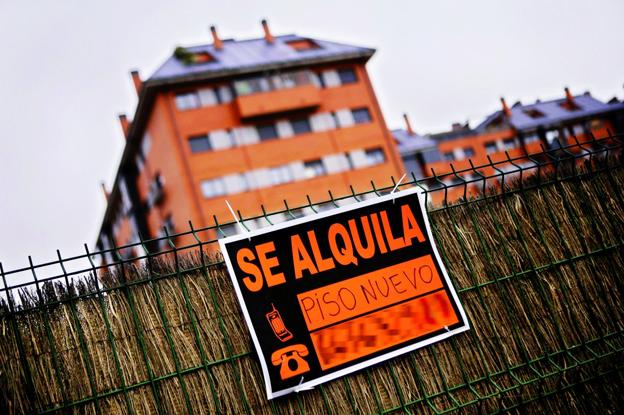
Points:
x=277, y=325
x=291, y=360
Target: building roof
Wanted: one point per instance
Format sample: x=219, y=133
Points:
x=237, y=57
x=458, y=130
x=411, y=143
x=240, y=56
x=551, y=112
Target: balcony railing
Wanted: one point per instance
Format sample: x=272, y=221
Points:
x=261, y=84
x=278, y=93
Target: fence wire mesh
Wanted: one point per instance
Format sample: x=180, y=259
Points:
x=536, y=255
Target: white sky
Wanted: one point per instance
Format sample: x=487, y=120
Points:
x=64, y=77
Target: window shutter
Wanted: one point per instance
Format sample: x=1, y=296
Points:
x=458, y=153
x=314, y=78
x=225, y=92
x=238, y=135
x=330, y=121
x=245, y=135
x=343, y=162
x=298, y=170
x=317, y=122
x=284, y=129
x=207, y=97
x=220, y=139
x=358, y=158
x=264, y=85
x=251, y=135
x=331, y=78
x=277, y=82
x=235, y=183
x=345, y=118
x=334, y=163
x=261, y=178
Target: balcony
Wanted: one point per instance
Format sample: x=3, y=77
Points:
x=275, y=94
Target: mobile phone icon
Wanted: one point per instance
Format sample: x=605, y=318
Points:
x=277, y=325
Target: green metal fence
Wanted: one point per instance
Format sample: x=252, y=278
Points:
x=537, y=260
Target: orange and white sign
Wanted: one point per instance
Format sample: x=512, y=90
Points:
x=338, y=291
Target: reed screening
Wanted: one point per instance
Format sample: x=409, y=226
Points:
x=538, y=267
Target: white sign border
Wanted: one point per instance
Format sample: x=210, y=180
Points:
x=378, y=359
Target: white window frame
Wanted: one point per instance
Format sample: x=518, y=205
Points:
x=211, y=188
x=187, y=100
x=280, y=175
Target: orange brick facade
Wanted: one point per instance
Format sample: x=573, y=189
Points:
x=194, y=151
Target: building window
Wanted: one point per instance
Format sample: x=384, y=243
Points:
x=347, y=76
x=468, y=152
x=533, y=113
x=552, y=135
x=156, y=192
x=596, y=124
x=301, y=126
x=490, y=147
x=224, y=94
x=168, y=223
x=264, y=84
x=187, y=101
x=213, y=187
x=199, y=144
x=531, y=138
x=161, y=235
x=139, y=162
x=375, y=156
x=314, y=168
x=303, y=44
x=187, y=57
x=448, y=156
x=509, y=143
x=578, y=130
x=280, y=175
x=361, y=116
x=267, y=132
x=146, y=145
x=125, y=197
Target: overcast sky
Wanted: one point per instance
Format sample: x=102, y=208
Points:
x=64, y=77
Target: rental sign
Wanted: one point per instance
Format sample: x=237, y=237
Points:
x=338, y=291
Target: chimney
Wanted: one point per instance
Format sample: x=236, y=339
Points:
x=136, y=79
x=106, y=194
x=125, y=124
x=216, y=40
x=408, y=125
x=569, y=97
x=506, y=109
x=267, y=33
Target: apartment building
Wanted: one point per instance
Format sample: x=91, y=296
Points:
x=254, y=122
x=518, y=130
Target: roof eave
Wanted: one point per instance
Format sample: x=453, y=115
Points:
x=151, y=86
x=557, y=123
x=364, y=54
